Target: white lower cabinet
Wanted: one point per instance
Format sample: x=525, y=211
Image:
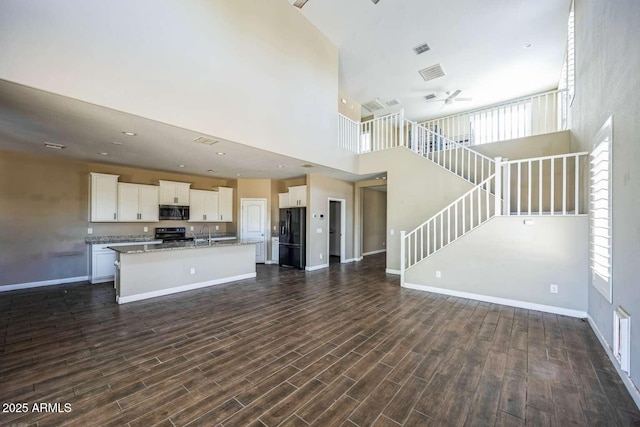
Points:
x=102, y=268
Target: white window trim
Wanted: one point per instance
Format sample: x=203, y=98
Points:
x=602, y=280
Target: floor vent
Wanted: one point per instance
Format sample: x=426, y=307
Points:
x=432, y=72
x=622, y=337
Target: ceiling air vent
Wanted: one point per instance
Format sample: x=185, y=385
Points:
x=307, y=165
x=421, y=49
x=54, y=146
x=205, y=140
x=430, y=96
x=375, y=1
x=374, y=105
x=432, y=72
x=392, y=103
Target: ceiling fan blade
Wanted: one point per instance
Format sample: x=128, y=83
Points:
x=454, y=94
x=463, y=99
x=300, y=3
x=436, y=100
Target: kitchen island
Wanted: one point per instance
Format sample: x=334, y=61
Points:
x=152, y=270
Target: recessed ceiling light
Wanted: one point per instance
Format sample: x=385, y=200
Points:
x=54, y=146
x=180, y=166
x=116, y=143
x=280, y=166
x=211, y=170
x=220, y=153
x=130, y=133
x=104, y=153
x=528, y=45
x=238, y=175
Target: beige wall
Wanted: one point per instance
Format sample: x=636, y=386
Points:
x=319, y=189
x=44, y=218
x=416, y=189
x=374, y=220
x=531, y=146
x=350, y=109
x=504, y=258
x=608, y=84
x=192, y=64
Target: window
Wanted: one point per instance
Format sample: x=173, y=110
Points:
x=600, y=210
x=568, y=73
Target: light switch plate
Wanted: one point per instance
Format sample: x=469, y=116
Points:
x=392, y=232
x=146, y=229
x=191, y=228
x=89, y=230
x=193, y=270
x=217, y=227
x=438, y=274
x=319, y=230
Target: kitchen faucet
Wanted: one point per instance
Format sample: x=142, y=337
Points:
x=208, y=231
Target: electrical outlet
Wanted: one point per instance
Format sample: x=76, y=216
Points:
x=193, y=270
x=191, y=228
x=89, y=230
x=321, y=256
x=217, y=227
x=392, y=232
x=146, y=229
x=275, y=227
x=438, y=274
x=553, y=289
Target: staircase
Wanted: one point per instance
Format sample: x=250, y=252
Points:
x=549, y=185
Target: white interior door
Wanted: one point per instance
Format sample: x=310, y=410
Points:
x=253, y=225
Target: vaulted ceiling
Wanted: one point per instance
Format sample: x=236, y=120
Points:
x=491, y=50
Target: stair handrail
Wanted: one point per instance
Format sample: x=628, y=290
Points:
x=450, y=154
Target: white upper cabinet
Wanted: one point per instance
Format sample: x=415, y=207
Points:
x=104, y=197
x=174, y=193
x=295, y=198
x=298, y=196
x=204, y=206
x=137, y=202
x=225, y=204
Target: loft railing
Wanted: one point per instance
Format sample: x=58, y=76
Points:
x=527, y=116
x=549, y=185
x=348, y=134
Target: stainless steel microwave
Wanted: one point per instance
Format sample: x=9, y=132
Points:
x=170, y=212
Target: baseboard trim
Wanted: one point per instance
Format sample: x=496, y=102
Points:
x=351, y=260
x=28, y=285
x=392, y=271
x=270, y=262
x=184, y=288
x=631, y=387
x=379, y=251
x=497, y=300
x=316, y=267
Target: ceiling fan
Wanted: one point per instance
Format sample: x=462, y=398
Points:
x=300, y=3
x=451, y=97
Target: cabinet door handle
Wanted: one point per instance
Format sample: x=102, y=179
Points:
x=204, y=217
x=114, y=215
x=220, y=217
x=175, y=200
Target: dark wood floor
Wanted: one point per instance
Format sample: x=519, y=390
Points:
x=343, y=346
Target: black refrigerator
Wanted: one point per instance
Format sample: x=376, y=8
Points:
x=293, y=235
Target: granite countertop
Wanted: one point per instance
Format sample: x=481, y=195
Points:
x=176, y=246
x=95, y=240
